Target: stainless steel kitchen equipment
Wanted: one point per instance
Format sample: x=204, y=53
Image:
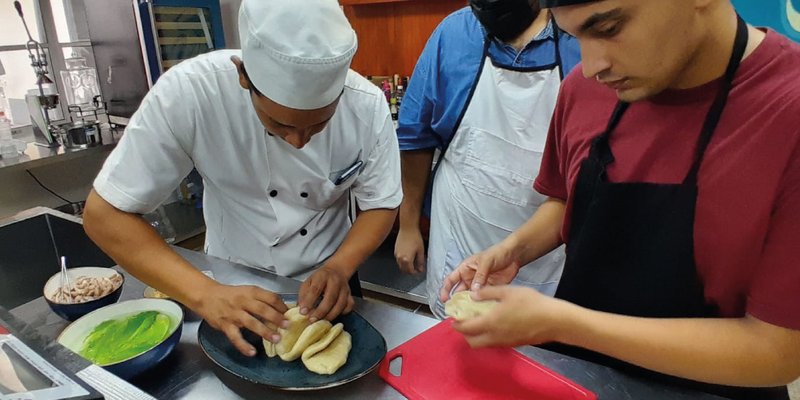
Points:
x=80, y=134
x=135, y=41
x=176, y=30
x=80, y=81
x=84, y=130
x=48, y=96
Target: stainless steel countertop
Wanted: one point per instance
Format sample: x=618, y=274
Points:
x=188, y=374
x=37, y=156
x=380, y=273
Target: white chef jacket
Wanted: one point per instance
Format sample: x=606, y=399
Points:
x=266, y=203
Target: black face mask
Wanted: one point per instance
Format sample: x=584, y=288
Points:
x=505, y=19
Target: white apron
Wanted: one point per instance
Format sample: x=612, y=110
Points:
x=483, y=189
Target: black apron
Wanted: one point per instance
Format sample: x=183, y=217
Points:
x=631, y=245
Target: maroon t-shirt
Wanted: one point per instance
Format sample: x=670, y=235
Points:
x=747, y=224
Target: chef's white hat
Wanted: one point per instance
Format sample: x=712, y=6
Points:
x=296, y=52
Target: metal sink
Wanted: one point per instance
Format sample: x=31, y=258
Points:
x=31, y=244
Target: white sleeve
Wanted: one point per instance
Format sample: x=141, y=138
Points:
x=154, y=153
x=378, y=186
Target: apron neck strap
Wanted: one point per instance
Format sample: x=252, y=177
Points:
x=556, y=44
x=715, y=113
x=601, y=149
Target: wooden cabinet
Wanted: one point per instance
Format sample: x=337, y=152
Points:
x=392, y=33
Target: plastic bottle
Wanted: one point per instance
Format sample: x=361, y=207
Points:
x=8, y=149
x=5, y=128
x=393, y=112
x=4, y=108
x=387, y=90
x=398, y=95
x=393, y=108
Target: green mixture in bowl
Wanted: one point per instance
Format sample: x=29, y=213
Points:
x=117, y=340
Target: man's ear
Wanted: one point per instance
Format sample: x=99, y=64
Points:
x=240, y=68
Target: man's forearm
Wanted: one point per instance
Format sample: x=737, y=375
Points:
x=367, y=233
x=540, y=234
x=415, y=168
x=135, y=245
x=738, y=352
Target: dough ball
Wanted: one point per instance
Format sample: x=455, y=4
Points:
x=324, y=342
x=461, y=306
x=269, y=348
x=310, y=335
x=297, y=324
x=332, y=357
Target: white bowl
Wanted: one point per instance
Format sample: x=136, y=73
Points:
x=74, y=335
x=73, y=311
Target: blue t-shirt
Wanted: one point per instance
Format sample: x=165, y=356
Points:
x=447, y=69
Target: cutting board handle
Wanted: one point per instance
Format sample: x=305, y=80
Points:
x=385, y=368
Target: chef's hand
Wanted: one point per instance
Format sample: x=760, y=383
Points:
x=231, y=308
x=409, y=251
x=522, y=316
x=331, y=284
x=494, y=266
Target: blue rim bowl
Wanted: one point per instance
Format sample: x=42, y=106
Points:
x=73, y=336
x=73, y=311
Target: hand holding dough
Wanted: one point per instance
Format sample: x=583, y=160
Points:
x=461, y=306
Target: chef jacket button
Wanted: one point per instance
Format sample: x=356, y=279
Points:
x=273, y=193
x=304, y=195
x=303, y=232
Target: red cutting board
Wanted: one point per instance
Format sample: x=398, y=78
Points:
x=439, y=364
